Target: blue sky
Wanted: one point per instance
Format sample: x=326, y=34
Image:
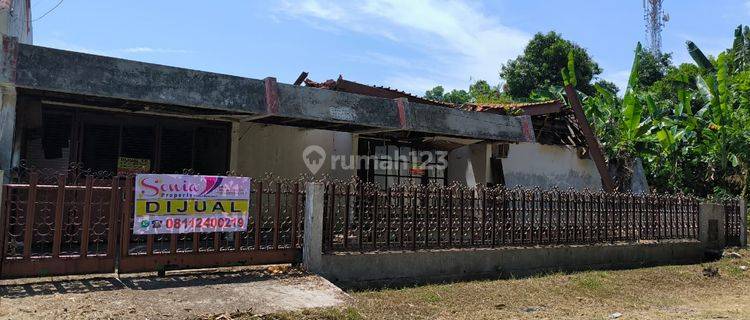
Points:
x=411, y=45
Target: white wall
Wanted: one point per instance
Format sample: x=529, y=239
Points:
x=546, y=166
x=262, y=149
x=259, y=149
x=470, y=165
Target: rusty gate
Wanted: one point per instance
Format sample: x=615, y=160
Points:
x=62, y=224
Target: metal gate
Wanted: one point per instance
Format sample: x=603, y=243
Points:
x=60, y=224
x=273, y=235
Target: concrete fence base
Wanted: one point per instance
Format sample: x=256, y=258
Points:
x=377, y=268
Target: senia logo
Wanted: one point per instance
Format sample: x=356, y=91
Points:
x=154, y=186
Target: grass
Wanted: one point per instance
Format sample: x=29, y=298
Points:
x=668, y=292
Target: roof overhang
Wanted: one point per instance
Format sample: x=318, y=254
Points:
x=60, y=72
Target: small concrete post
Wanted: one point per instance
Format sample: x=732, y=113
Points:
x=712, y=226
x=312, y=248
x=743, y=223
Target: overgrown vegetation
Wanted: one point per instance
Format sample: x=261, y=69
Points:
x=690, y=124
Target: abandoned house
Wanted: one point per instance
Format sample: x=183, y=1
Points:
x=120, y=116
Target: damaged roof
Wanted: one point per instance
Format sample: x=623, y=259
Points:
x=553, y=121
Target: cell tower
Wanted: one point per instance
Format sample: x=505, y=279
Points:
x=655, y=20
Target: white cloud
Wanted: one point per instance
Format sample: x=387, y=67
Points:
x=63, y=45
x=152, y=50
x=122, y=52
x=458, y=40
x=619, y=78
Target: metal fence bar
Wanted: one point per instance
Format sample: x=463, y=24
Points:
x=30, y=211
x=295, y=216
x=4, y=220
x=86, y=223
x=114, y=205
x=59, y=206
x=256, y=224
x=488, y=217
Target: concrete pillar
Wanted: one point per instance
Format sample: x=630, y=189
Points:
x=743, y=219
x=7, y=125
x=312, y=248
x=712, y=226
x=15, y=20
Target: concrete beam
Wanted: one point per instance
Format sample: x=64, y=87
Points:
x=40, y=68
x=86, y=74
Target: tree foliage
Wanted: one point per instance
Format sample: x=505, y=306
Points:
x=690, y=124
x=540, y=64
x=479, y=92
x=652, y=68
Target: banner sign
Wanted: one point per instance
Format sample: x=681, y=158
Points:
x=173, y=203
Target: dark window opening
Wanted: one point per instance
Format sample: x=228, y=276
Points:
x=118, y=143
x=392, y=163
x=100, y=150
x=176, y=150
x=213, y=146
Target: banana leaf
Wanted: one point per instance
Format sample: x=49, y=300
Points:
x=699, y=58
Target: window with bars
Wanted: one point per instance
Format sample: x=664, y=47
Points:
x=390, y=163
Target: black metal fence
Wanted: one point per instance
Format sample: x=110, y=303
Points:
x=361, y=217
x=733, y=220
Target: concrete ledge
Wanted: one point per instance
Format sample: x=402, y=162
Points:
x=379, y=268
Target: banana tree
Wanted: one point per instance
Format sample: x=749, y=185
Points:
x=725, y=129
x=625, y=122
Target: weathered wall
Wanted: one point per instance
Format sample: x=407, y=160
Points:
x=546, y=166
x=15, y=20
x=469, y=165
x=712, y=238
x=278, y=150
x=362, y=269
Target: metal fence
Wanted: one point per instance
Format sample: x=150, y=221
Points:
x=69, y=223
x=733, y=222
x=361, y=217
x=273, y=234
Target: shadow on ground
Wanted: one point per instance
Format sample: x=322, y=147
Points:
x=22, y=290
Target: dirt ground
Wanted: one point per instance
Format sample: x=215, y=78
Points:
x=712, y=290
x=176, y=296
x=666, y=292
